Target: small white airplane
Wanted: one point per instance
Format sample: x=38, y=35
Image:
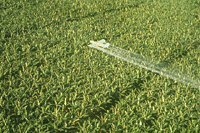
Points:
x=101, y=43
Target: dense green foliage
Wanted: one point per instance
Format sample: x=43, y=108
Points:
x=51, y=81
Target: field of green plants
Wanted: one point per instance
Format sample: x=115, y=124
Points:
x=51, y=81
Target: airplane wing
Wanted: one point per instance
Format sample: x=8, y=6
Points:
x=100, y=43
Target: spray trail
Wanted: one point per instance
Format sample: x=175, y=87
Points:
x=148, y=63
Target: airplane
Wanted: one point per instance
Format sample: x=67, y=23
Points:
x=101, y=43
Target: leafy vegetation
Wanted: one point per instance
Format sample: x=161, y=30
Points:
x=51, y=81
